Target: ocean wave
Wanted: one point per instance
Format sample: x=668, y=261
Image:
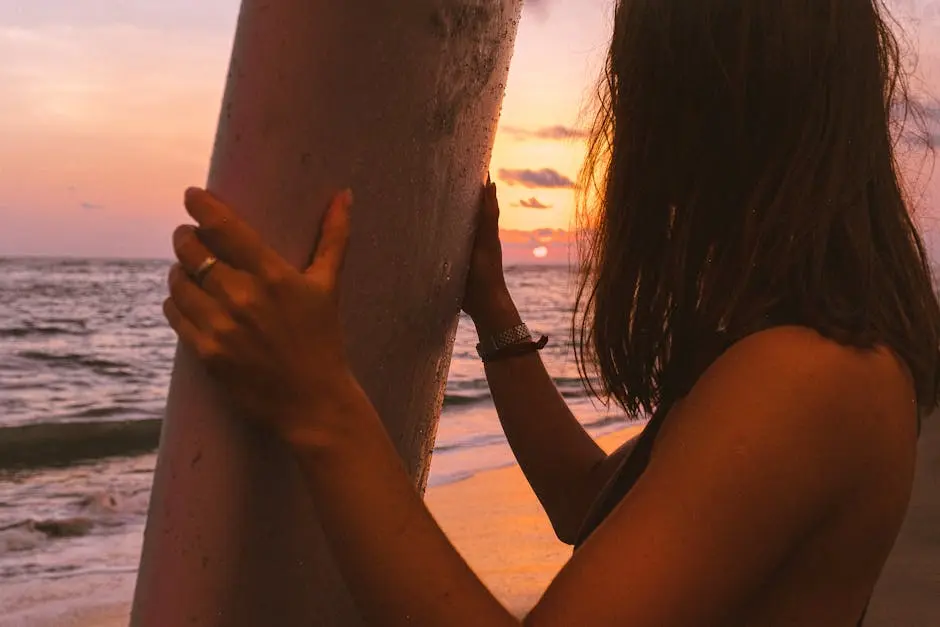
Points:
x=65, y=443
x=73, y=263
x=45, y=331
x=29, y=534
x=468, y=384
x=99, y=411
x=85, y=436
x=464, y=399
x=475, y=441
x=451, y=400
x=99, y=513
x=488, y=439
x=570, y=386
x=613, y=419
x=75, y=360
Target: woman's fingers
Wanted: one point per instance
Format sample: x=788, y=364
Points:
x=235, y=289
x=492, y=203
x=488, y=217
x=334, y=238
x=203, y=311
x=204, y=347
x=231, y=238
x=192, y=253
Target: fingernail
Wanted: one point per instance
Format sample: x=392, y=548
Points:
x=180, y=234
x=347, y=197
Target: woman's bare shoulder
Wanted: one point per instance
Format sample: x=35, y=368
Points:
x=853, y=375
x=776, y=437
x=867, y=396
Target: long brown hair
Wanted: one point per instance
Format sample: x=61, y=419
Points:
x=743, y=159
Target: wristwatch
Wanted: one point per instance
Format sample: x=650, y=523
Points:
x=518, y=334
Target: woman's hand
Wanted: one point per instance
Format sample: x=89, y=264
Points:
x=268, y=333
x=486, y=291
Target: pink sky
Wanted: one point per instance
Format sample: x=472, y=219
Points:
x=108, y=111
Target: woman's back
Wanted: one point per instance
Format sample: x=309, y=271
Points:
x=835, y=569
x=829, y=577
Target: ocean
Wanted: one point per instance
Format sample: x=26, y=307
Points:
x=85, y=363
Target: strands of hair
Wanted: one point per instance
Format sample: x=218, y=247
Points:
x=742, y=170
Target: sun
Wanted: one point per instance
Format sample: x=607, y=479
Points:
x=540, y=253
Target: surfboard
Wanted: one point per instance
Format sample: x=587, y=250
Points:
x=400, y=101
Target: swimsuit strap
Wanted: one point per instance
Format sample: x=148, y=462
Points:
x=623, y=478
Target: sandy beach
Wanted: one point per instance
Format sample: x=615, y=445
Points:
x=509, y=543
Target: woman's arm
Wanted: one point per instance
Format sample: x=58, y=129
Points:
x=399, y=566
x=562, y=463
x=397, y=562
x=685, y=547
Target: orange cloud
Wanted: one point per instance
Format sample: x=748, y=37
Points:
x=549, y=133
x=544, y=178
x=532, y=203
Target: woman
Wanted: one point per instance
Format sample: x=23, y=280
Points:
x=754, y=283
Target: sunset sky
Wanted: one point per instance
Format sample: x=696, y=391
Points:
x=108, y=111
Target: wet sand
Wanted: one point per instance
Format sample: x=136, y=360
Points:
x=508, y=541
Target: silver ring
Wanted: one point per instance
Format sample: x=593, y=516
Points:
x=204, y=269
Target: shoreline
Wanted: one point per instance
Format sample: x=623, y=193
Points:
x=509, y=542
x=492, y=517
x=497, y=524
